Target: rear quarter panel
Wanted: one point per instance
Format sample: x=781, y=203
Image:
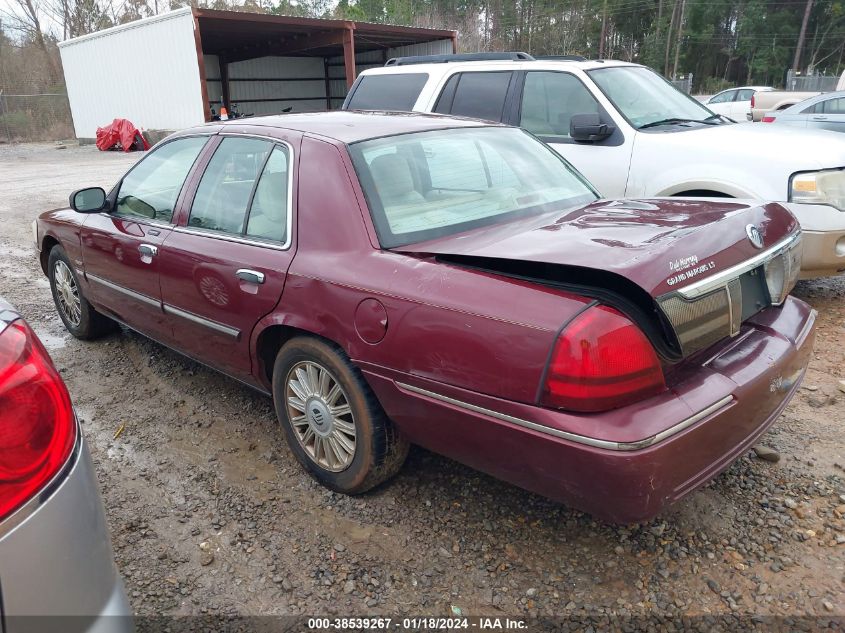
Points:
x=448, y=324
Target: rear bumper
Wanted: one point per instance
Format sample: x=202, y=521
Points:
x=823, y=239
x=751, y=379
x=56, y=564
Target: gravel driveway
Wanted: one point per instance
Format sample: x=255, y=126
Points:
x=210, y=513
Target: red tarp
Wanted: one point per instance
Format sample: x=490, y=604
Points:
x=121, y=134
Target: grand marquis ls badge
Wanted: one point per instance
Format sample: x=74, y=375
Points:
x=754, y=236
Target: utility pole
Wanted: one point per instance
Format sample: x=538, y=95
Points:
x=603, y=30
x=797, y=59
x=669, y=37
x=678, y=41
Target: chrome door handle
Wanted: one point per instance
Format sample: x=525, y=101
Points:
x=148, y=249
x=252, y=276
x=819, y=118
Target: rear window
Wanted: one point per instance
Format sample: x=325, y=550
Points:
x=480, y=95
x=426, y=185
x=387, y=92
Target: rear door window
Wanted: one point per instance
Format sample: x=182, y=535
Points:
x=744, y=95
x=398, y=92
x=480, y=95
x=226, y=188
x=834, y=106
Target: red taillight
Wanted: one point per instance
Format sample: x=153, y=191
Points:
x=37, y=426
x=602, y=361
x=768, y=119
x=752, y=100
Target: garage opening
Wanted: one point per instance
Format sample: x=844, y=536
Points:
x=263, y=64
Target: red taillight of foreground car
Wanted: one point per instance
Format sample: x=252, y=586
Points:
x=768, y=119
x=37, y=425
x=601, y=361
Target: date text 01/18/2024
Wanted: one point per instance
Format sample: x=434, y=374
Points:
x=416, y=624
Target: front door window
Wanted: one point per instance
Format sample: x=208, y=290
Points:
x=151, y=189
x=549, y=101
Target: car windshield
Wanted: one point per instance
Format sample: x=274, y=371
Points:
x=646, y=99
x=427, y=185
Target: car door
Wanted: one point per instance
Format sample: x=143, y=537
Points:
x=224, y=266
x=120, y=248
x=548, y=101
x=741, y=105
x=722, y=103
x=828, y=115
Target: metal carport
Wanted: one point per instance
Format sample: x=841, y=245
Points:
x=168, y=71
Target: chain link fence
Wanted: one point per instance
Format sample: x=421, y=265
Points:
x=34, y=117
x=683, y=83
x=810, y=83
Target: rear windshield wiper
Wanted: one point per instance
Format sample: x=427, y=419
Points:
x=675, y=120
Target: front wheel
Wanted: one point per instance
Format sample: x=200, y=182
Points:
x=332, y=421
x=76, y=313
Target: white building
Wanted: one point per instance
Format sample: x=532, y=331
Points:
x=176, y=69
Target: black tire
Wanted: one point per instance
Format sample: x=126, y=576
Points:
x=89, y=323
x=379, y=448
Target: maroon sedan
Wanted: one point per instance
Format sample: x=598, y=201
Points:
x=407, y=278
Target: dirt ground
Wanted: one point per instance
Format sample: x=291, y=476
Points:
x=210, y=513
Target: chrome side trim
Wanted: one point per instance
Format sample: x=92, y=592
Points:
x=574, y=437
x=226, y=237
x=129, y=293
x=211, y=325
x=718, y=280
x=254, y=387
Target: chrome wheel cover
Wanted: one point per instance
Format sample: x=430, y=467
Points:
x=320, y=415
x=67, y=294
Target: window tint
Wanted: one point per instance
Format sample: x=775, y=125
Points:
x=479, y=95
x=269, y=212
x=834, y=106
x=225, y=191
x=150, y=190
x=550, y=99
x=745, y=95
x=387, y=92
x=725, y=97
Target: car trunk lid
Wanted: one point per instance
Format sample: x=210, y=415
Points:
x=693, y=269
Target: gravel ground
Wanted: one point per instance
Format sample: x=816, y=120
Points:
x=210, y=513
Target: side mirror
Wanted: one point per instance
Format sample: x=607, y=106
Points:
x=588, y=128
x=90, y=200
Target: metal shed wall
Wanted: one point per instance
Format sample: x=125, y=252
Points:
x=267, y=85
x=144, y=71
x=374, y=59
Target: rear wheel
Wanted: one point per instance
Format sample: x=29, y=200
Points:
x=332, y=421
x=76, y=313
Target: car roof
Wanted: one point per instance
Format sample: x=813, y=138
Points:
x=755, y=88
x=539, y=64
x=350, y=126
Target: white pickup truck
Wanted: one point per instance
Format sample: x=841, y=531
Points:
x=632, y=134
x=773, y=100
